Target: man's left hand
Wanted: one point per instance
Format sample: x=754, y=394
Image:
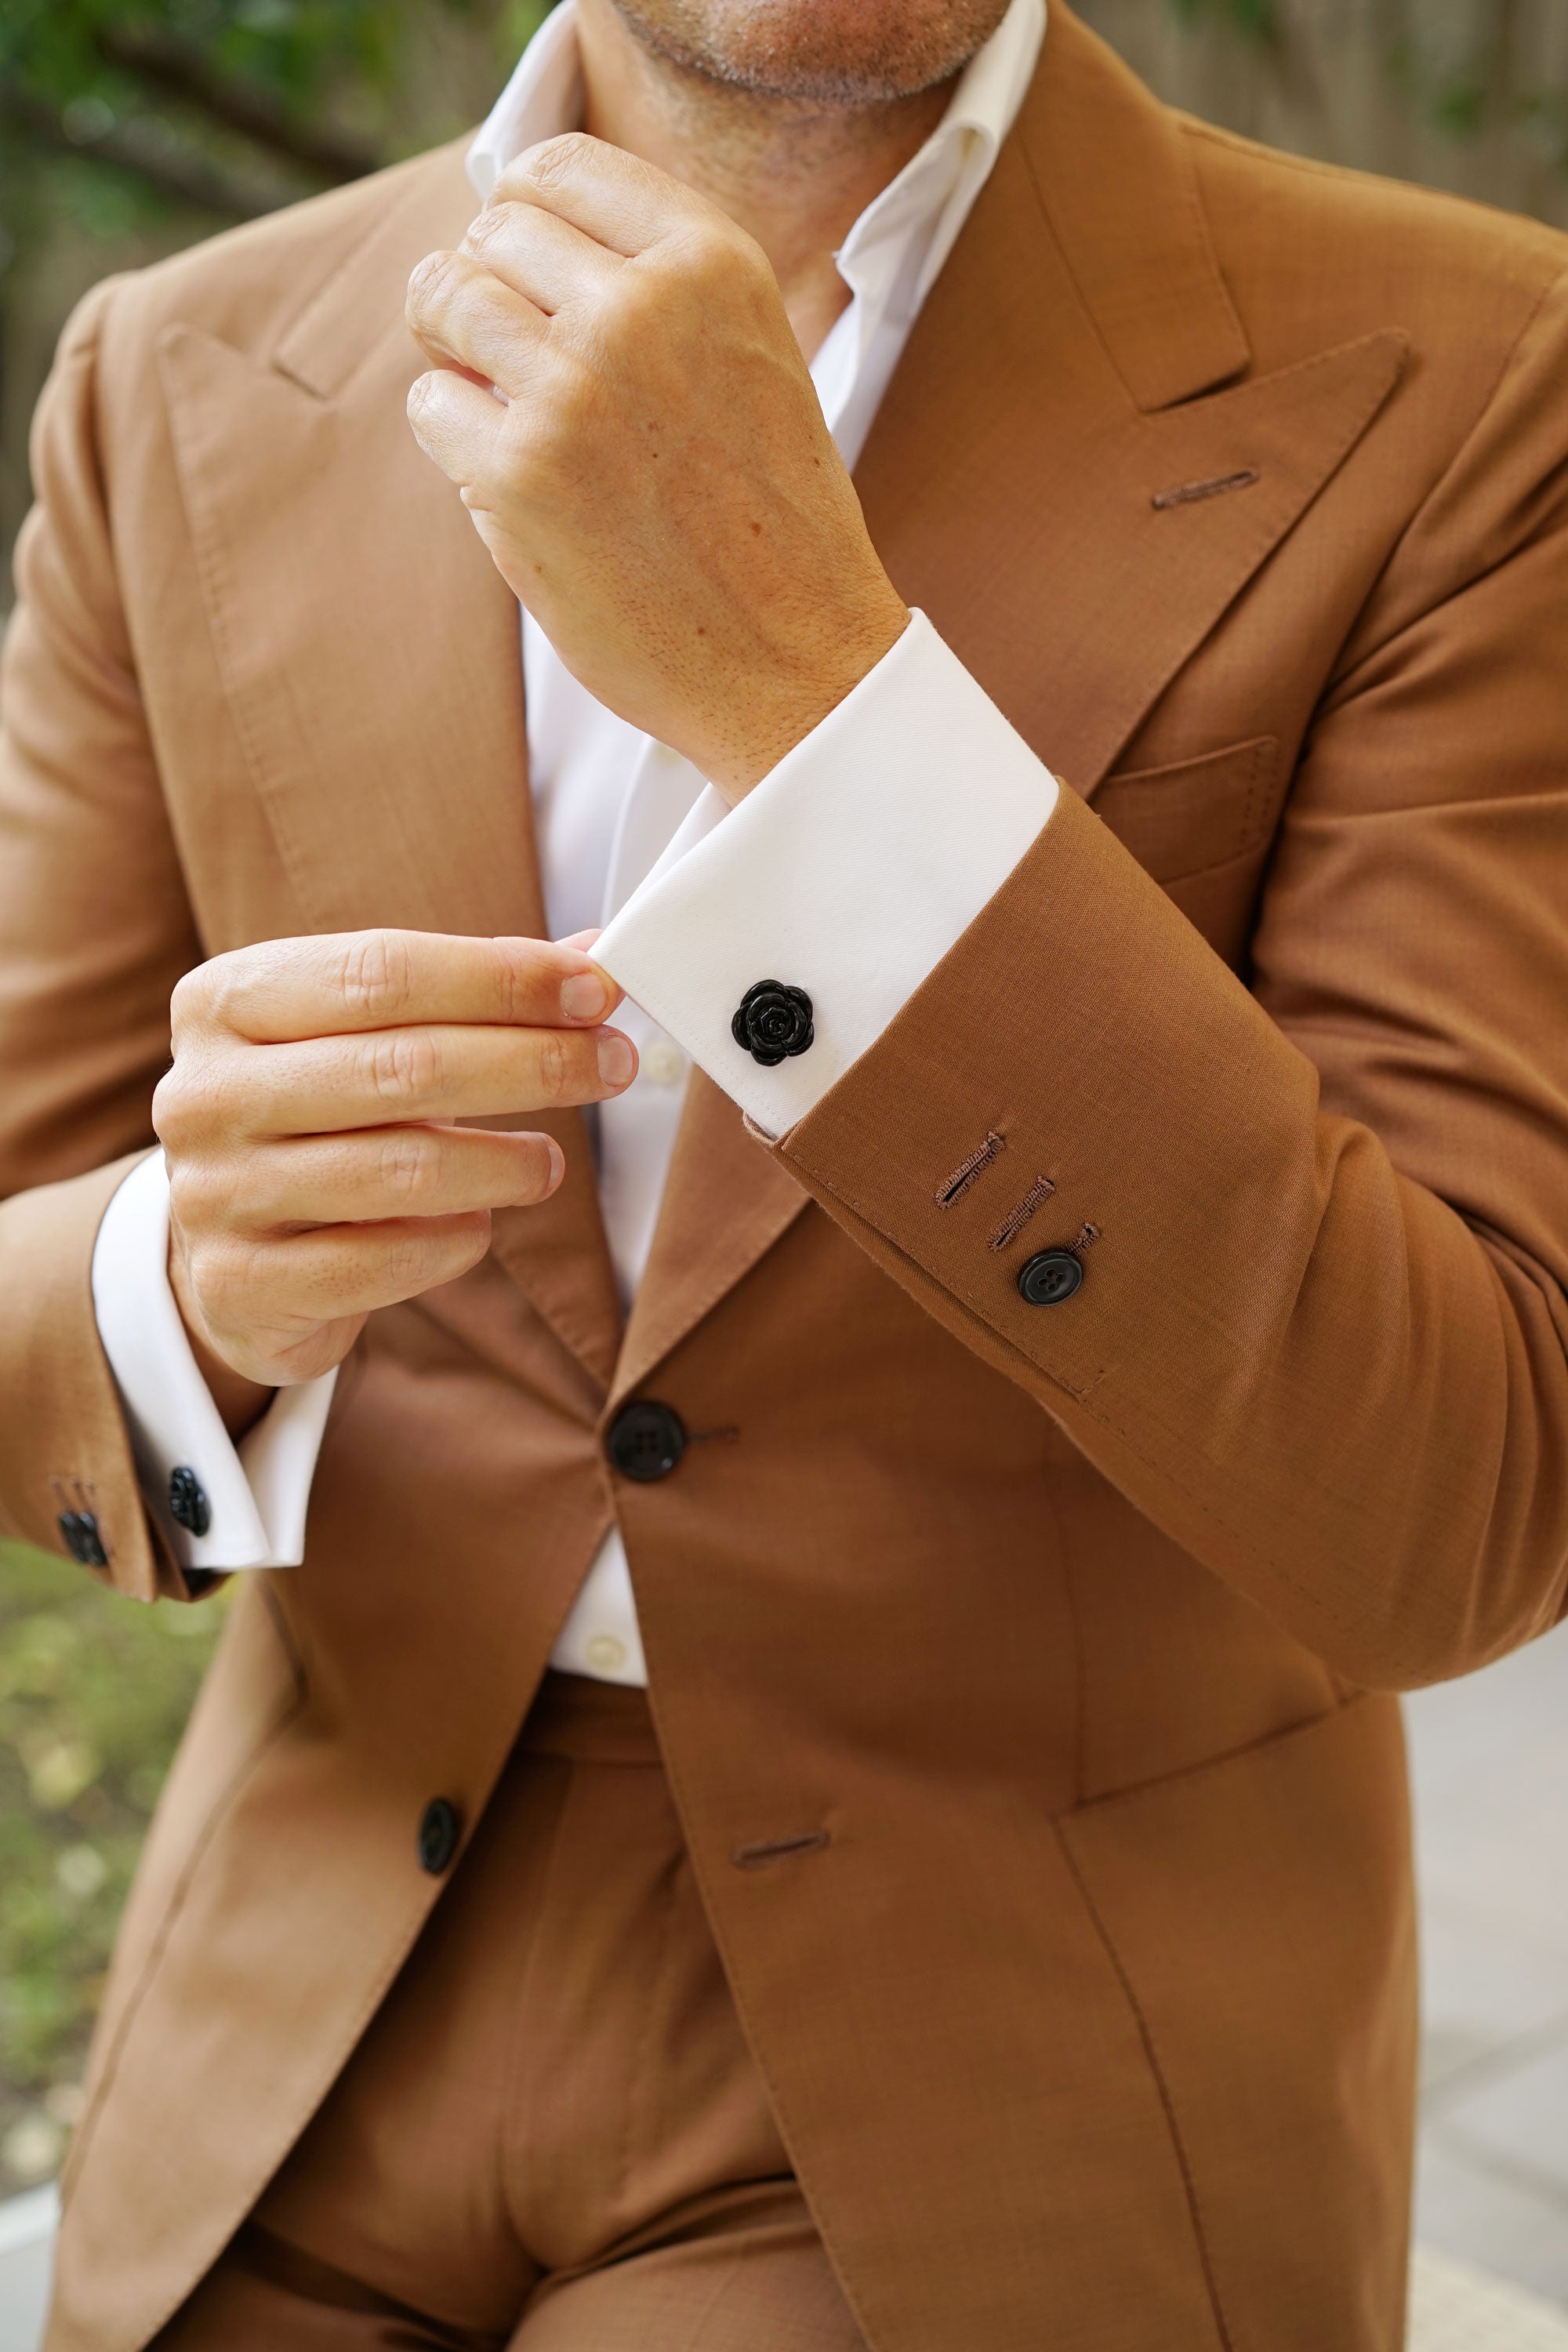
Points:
x=620, y=398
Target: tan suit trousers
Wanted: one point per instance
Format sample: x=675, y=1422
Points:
x=552, y=2135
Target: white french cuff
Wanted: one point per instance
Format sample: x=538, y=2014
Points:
x=849, y=872
x=258, y=1494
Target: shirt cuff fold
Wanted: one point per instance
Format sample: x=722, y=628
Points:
x=848, y=874
x=257, y=1494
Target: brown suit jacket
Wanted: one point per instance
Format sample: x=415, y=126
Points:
x=1240, y=483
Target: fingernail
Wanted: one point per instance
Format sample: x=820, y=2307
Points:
x=617, y=1059
x=584, y=997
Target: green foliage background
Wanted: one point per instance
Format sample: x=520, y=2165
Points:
x=93, y=1693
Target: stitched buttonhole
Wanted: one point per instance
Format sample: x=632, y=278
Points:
x=953, y=1187
x=758, y=1856
x=1013, y=1225
x=1186, y=494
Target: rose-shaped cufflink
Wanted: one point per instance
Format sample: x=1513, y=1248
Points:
x=773, y=1021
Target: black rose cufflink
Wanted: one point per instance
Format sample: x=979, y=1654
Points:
x=773, y=1021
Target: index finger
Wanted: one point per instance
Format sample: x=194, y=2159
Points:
x=616, y=198
x=288, y=989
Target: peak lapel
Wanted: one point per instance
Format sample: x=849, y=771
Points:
x=1078, y=359
x=371, y=658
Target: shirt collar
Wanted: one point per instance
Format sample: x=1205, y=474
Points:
x=544, y=97
x=957, y=157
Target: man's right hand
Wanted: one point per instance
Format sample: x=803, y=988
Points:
x=316, y=1168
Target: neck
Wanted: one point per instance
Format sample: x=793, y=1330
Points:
x=796, y=174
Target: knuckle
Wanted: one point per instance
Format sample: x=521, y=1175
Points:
x=557, y=160
x=188, y=1004
x=375, y=977
x=402, y=1065
x=418, y=1261
x=196, y=1194
x=225, y=990
x=224, y=1272
x=430, y=283
x=411, y=1167
x=715, y=257
x=554, y=1064
x=497, y=225
x=171, y=1101
x=407, y=1257
x=515, y=984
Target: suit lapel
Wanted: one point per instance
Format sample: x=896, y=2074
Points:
x=1079, y=358
x=726, y=1201
x=1075, y=365
x=371, y=658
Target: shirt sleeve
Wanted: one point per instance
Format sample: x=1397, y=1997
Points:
x=257, y=1494
x=845, y=876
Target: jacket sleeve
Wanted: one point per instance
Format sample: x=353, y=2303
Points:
x=95, y=928
x=1311, y=1321
x=1321, y=1338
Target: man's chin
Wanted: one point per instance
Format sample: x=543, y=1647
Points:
x=847, y=52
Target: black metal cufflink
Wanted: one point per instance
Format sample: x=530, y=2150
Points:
x=188, y=1504
x=773, y=1021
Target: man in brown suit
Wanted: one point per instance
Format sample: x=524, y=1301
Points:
x=1041, y=1440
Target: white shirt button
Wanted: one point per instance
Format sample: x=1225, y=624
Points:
x=664, y=1063
x=605, y=1654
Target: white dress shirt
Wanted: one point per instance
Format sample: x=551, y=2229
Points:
x=924, y=793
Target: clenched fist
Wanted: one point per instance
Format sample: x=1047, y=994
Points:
x=316, y=1168
x=620, y=396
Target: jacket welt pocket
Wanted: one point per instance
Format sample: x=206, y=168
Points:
x=1178, y=820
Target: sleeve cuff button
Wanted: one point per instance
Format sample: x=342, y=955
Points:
x=1050, y=1278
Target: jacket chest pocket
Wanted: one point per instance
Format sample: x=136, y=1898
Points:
x=1202, y=828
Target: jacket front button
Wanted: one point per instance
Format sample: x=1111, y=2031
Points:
x=440, y=1833
x=1050, y=1278
x=645, y=1441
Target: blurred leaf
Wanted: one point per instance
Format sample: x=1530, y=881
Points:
x=94, y=1692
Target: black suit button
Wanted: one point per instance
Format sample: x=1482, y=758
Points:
x=82, y=1538
x=188, y=1504
x=440, y=1835
x=1052, y=1277
x=773, y=1020
x=645, y=1441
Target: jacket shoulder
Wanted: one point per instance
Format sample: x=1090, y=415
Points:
x=1317, y=250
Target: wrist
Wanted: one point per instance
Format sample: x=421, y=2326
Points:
x=757, y=732
x=240, y=1402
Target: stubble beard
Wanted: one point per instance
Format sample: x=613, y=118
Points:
x=831, y=54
